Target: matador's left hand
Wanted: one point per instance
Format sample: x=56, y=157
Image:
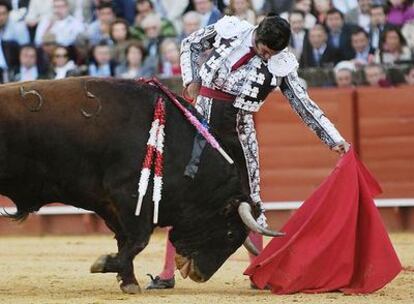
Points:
x=342, y=148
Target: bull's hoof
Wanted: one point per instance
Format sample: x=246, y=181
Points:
x=131, y=288
x=103, y=263
x=99, y=265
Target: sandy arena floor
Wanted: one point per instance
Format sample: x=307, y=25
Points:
x=45, y=270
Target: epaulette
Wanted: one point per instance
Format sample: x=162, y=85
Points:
x=231, y=26
x=282, y=63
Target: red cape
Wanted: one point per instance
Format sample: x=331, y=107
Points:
x=335, y=241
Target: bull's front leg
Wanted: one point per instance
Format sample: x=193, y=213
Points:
x=122, y=263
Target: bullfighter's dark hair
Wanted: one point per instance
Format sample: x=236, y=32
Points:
x=7, y=4
x=274, y=32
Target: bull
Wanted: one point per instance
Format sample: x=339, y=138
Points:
x=81, y=141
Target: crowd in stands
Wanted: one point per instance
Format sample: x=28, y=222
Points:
x=54, y=39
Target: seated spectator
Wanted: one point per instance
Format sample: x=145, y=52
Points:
x=339, y=33
x=170, y=59
x=304, y=6
x=242, y=9
x=120, y=37
x=46, y=51
x=191, y=23
x=375, y=76
x=62, y=65
x=82, y=10
x=378, y=25
x=11, y=30
x=145, y=8
x=321, y=8
x=134, y=66
x=101, y=64
x=153, y=35
x=343, y=74
x=408, y=33
x=394, y=48
x=400, y=11
x=299, y=33
x=100, y=28
x=209, y=12
x=409, y=76
x=318, y=53
x=363, y=52
x=64, y=26
x=360, y=15
x=27, y=69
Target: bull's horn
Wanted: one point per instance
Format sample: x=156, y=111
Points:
x=248, y=244
x=245, y=212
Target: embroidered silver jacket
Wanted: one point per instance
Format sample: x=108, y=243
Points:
x=204, y=59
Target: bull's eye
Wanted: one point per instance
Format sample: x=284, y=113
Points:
x=230, y=235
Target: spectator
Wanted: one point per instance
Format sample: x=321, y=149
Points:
x=8, y=58
x=363, y=52
x=305, y=6
x=339, y=33
x=400, y=11
x=409, y=76
x=242, y=9
x=144, y=9
x=62, y=65
x=99, y=29
x=64, y=26
x=191, y=23
x=299, y=33
x=46, y=51
x=321, y=8
x=343, y=77
x=12, y=30
x=319, y=53
x=27, y=70
x=120, y=36
x=360, y=15
x=101, y=64
x=375, y=76
x=134, y=66
x=378, y=25
x=209, y=12
x=170, y=59
x=153, y=35
x=81, y=51
x=394, y=48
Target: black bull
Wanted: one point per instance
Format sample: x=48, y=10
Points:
x=81, y=141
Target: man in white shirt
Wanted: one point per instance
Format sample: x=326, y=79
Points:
x=297, y=24
x=63, y=25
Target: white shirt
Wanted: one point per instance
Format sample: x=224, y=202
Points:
x=65, y=30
